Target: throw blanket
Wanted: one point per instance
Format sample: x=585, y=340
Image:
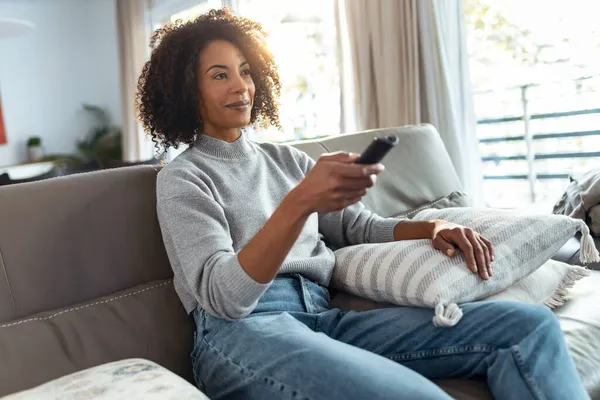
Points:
x=582, y=200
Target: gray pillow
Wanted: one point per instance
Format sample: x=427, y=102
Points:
x=413, y=273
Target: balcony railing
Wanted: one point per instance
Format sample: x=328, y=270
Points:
x=531, y=138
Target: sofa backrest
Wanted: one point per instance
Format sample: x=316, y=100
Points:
x=84, y=277
x=418, y=168
x=71, y=239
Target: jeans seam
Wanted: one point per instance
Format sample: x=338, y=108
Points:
x=254, y=373
x=306, y=296
x=199, y=383
x=445, y=351
x=522, y=367
x=318, y=323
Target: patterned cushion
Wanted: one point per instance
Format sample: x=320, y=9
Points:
x=414, y=273
x=130, y=379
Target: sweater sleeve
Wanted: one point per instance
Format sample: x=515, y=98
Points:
x=354, y=224
x=199, y=245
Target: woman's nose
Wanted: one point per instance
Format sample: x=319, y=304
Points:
x=239, y=84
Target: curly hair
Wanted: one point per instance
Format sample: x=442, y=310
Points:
x=167, y=96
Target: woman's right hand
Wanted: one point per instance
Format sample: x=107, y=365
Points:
x=334, y=183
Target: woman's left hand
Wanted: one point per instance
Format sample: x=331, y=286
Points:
x=478, y=251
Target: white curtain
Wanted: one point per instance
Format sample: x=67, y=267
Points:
x=134, y=36
x=447, y=95
x=405, y=62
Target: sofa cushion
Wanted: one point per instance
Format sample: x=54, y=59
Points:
x=418, y=169
x=453, y=200
x=71, y=239
x=580, y=321
x=147, y=321
x=313, y=148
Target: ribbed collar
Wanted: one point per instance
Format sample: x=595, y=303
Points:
x=241, y=148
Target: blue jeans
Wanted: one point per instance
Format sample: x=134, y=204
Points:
x=293, y=346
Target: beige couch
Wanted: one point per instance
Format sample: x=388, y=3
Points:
x=84, y=278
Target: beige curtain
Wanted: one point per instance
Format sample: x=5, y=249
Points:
x=404, y=62
x=384, y=54
x=134, y=35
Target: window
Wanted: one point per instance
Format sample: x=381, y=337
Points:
x=165, y=11
x=302, y=37
x=536, y=86
x=194, y=11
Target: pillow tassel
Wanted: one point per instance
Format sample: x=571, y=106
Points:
x=446, y=316
x=588, y=253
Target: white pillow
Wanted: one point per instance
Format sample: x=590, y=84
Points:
x=548, y=285
x=414, y=273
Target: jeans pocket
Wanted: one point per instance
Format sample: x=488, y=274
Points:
x=208, y=326
x=324, y=294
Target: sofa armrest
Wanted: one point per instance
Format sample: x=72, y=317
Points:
x=569, y=253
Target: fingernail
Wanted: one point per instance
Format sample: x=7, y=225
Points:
x=491, y=271
x=474, y=268
x=450, y=252
x=373, y=178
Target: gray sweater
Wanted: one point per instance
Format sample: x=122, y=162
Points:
x=214, y=197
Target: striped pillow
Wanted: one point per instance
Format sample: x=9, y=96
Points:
x=413, y=273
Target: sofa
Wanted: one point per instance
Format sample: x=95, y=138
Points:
x=85, y=280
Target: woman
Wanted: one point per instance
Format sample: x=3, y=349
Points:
x=248, y=227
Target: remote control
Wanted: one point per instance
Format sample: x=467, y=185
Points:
x=378, y=148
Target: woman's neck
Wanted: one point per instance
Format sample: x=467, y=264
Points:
x=218, y=147
x=227, y=135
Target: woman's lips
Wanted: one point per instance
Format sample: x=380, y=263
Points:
x=239, y=106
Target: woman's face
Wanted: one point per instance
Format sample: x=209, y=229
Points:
x=226, y=87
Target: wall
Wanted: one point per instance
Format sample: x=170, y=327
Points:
x=71, y=58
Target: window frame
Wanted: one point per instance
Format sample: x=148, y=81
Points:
x=162, y=10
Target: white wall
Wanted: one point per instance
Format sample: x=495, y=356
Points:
x=70, y=59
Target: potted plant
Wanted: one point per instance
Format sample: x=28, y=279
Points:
x=102, y=145
x=35, y=151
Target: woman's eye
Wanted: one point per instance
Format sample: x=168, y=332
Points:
x=220, y=75
x=246, y=72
